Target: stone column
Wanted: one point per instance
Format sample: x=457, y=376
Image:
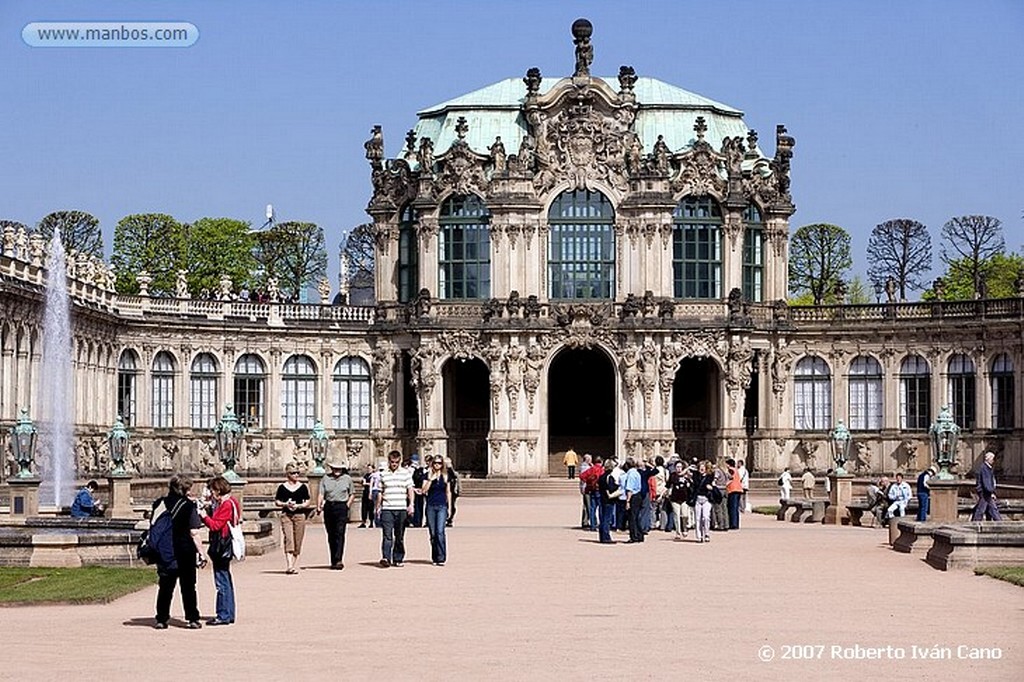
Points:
x=943, y=500
x=839, y=498
x=120, y=497
x=24, y=496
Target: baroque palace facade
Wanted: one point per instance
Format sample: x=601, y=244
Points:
x=586, y=262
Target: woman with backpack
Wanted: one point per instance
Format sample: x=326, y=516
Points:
x=226, y=512
x=178, y=562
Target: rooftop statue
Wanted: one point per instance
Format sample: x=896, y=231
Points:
x=582, y=29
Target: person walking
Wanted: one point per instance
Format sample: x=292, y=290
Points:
x=785, y=484
x=632, y=487
x=719, y=507
x=293, y=499
x=924, y=495
x=394, y=505
x=585, y=465
x=570, y=460
x=188, y=553
x=438, y=495
x=609, y=492
x=456, y=488
x=589, y=481
x=678, y=494
x=700, y=494
x=986, y=508
x=366, y=499
x=745, y=483
x=226, y=512
x=807, y=483
x=336, y=493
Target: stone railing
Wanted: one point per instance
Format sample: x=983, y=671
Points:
x=1001, y=308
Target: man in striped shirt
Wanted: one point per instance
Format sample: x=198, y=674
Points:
x=394, y=504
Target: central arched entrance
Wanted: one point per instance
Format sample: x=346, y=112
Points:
x=581, y=405
x=467, y=413
x=695, y=413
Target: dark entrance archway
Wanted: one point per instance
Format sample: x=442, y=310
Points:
x=467, y=413
x=581, y=405
x=695, y=400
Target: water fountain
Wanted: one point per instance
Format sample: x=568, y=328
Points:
x=56, y=409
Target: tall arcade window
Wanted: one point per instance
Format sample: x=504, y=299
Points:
x=960, y=387
x=202, y=402
x=812, y=400
x=127, y=373
x=581, y=246
x=915, y=394
x=163, y=391
x=351, y=405
x=1001, y=379
x=464, y=248
x=408, y=256
x=250, y=385
x=865, y=394
x=753, y=254
x=298, y=392
x=697, y=248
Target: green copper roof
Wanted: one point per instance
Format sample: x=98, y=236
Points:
x=495, y=110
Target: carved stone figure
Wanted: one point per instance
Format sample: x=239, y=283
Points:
x=498, y=157
x=532, y=372
x=494, y=354
x=581, y=32
x=425, y=155
x=630, y=370
x=423, y=366
x=492, y=307
x=383, y=371
x=422, y=304
x=661, y=154
x=648, y=373
x=630, y=307
x=627, y=79
x=514, y=357
x=273, y=290
x=323, y=288
x=532, y=81
x=513, y=304
x=532, y=307
x=375, y=146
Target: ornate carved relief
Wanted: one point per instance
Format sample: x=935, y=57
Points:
x=423, y=366
x=738, y=371
x=531, y=373
x=514, y=359
x=702, y=170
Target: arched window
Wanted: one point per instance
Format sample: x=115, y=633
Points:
x=581, y=246
x=203, y=392
x=1001, y=380
x=163, y=391
x=960, y=390
x=250, y=384
x=408, y=256
x=753, y=254
x=351, y=405
x=127, y=371
x=812, y=399
x=697, y=248
x=865, y=394
x=464, y=248
x=915, y=394
x=298, y=392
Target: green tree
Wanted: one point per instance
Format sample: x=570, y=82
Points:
x=215, y=247
x=857, y=292
x=998, y=276
x=900, y=249
x=819, y=256
x=294, y=253
x=79, y=231
x=153, y=242
x=973, y=240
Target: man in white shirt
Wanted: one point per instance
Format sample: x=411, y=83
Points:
x=785, y=484
x=899, y=495
x=394, y=505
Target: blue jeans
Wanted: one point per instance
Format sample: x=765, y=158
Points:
x=437, y=517
x=594, y=500
x=392, y=526
x=225, y=592
x=924, y=503
x=733, y=502
x=607, y=517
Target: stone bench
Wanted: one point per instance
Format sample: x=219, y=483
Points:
x=915, y=537
x=979, y=543
x=798, y=508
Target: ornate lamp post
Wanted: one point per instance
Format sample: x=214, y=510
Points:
x=840, y=446
x=23, y=444
x=117, y=442
x=229, y=433
x=945, y=433
x=318, y=442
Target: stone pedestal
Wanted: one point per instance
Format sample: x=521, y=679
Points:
x=24, y=496
x=838, y=498
x=314, y=494
x=943, y=500
x=238, y=491
x=120, y=506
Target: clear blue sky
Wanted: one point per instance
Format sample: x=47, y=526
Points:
x=900, y=109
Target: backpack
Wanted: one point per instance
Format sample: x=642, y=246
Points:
x=156, y=546
x=780, y=480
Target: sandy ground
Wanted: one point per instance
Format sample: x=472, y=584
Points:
x=527, y=596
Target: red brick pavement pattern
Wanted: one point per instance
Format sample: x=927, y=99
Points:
x=527, y=596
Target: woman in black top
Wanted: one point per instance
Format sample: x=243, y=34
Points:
x=292, y=499
x=609, y=491
x=678, y=494
x=701, y=494
x=188, y=554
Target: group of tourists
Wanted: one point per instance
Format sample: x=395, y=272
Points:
x=674, y=496
x=400, y=496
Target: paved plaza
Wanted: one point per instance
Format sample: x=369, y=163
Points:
x=527, y=596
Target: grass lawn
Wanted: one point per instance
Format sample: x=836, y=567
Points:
x=87, y=585
x=767, y=510
x=1011, y=574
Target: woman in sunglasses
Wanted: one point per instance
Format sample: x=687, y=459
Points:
x=439, y=499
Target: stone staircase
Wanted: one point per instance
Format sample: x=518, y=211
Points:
x=523, y=487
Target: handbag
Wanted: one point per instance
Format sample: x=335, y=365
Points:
x=716, y=495
x=220, y=548
x=237, y=539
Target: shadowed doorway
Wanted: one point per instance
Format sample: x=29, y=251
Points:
x=467, y=413
x=695, y=398
x=581, y=405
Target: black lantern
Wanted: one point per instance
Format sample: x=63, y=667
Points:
x=117, y=444
x=23, y=444
x=945, y=433
x=229, y=433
